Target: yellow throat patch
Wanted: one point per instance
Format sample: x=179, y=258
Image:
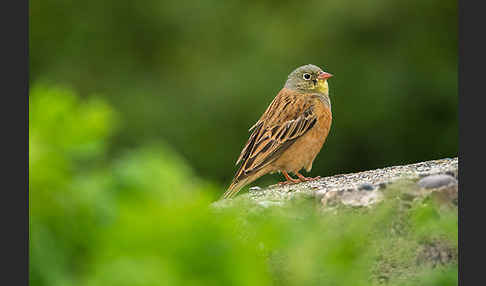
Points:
x=322, y=86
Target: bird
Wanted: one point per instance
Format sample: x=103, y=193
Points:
x=290, y=133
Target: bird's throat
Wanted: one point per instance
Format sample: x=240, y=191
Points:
x=322, y=87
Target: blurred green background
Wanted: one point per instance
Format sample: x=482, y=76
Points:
x=139, y=109
x=198, y=74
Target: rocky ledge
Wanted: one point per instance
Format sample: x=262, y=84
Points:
x=410, y=234
x=436, y=177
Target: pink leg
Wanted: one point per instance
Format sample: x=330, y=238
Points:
x=290, y=180
x=305, y=179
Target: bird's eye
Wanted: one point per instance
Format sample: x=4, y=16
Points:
x=306, y=76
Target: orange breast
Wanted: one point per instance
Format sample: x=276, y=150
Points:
x=303, y=152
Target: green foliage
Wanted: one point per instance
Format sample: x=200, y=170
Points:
x=123, y=165
x=142, y=216
x=77, y=190
x=121, y=197
x=426, y=219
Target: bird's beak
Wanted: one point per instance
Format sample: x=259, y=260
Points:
x=324, y=75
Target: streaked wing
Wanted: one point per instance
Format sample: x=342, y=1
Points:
x=289, y=116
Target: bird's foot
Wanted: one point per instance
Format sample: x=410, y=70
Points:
x=306, y=179
x=289, y=181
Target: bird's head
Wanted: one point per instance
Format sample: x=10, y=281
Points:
x=309, y=79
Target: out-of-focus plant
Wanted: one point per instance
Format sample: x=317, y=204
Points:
x=142, y=216
x=76, y=189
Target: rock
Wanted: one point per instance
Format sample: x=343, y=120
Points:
x=363, y=188
x=436, y=181
x=366, y=186
x=447, y=195
x=319, y=194
x=354, y=199
x=408, y=186
x=452, y=174
x=330, y=198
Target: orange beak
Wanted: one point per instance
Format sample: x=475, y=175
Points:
x=324, y=75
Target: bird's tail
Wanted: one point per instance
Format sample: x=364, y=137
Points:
x=236, y=185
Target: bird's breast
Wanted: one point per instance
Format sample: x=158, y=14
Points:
x=322, y=107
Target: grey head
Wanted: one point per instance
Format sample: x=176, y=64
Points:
x=308, y=78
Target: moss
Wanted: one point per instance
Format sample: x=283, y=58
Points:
x=402, y=239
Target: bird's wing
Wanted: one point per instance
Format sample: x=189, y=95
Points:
x=289, y=116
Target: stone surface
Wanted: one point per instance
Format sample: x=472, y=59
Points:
x=436, y=181
x=354, y=198
x=362, y=188
x=367, y=187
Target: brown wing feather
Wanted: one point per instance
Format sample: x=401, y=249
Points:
x=289, y=116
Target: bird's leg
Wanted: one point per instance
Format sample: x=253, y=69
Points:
x=305, y=179
x=290, y=180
